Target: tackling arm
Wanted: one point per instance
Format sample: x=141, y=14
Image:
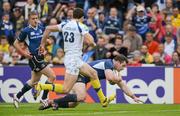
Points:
x=46, y=33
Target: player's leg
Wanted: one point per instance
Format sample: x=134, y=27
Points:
x=34, y=79
x=88, y=71
x=47, y=71
x=77, y=94
x=71, y=74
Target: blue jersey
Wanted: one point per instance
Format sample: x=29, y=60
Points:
x=32, y=37
x=100, y=66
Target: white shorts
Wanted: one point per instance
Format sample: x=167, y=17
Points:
x=73, y=64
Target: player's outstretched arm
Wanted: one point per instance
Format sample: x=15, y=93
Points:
x=128, y=92
x=48, y=30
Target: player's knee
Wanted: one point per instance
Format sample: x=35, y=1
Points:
x=118, y=80
x=32, y=83
x=94, y=74
x=52, y=78
x=66, y=90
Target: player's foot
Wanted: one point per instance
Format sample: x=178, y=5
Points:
x=111, y=98
x=45, y=104
x=108, y=100
x=38, y=90
x=15, y=101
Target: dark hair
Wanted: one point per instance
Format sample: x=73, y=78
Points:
x=78, y=13
x=121, y=58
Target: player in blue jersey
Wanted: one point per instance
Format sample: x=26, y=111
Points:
x=106, y=69
x=31, y=36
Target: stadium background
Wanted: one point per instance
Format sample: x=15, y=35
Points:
x=152, y=74
x=159, y=87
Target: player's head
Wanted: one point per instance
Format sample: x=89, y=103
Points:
x=120, y=62
x=33, y=18
x=78, y=13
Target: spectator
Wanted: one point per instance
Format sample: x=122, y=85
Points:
x=156, y=25
x=112, y=24
x=6, y=9
x=2, y=58
x=51, y=46
x=164, y=56
x=8, y=56
x=59, y=58
x=30, y=6
x=118, y=48
x=100, y=51
x=15, y=59
x=175, y=18
x=169, y=29
x=178, y=36
x=169, y=8
x=147, y=58
x=136, y=60
x=48, y=58
x=101, y=22
x=140, y=20
x=170, y=44
x=157, y=59
x=175, y=60
x=44, y=10
x=18, y=19
x=132, y=40
x=7, y=29
x=4, y=46
x=151, y=43
x=69, y=14
x=91, y=23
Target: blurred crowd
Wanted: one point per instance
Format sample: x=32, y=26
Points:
x=146, y=31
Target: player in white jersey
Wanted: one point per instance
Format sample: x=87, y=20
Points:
x=74, y=33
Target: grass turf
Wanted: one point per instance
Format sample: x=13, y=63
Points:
x=93, y=110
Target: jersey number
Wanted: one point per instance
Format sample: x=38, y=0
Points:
x=69, y=37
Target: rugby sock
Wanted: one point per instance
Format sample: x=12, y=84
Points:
x=45, y=93
x=53, y=87
x=97, y=86
x=63, y=102
x=25, y=88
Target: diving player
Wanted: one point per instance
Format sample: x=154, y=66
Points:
x=105, y=69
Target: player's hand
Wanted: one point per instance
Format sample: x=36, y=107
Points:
x=137, y=100
x=42, y=50
x=27, y=55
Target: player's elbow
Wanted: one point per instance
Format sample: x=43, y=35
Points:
x=116, y=80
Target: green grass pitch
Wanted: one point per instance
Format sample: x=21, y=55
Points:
x=93, y=110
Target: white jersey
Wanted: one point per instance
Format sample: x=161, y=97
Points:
x=73, y=33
